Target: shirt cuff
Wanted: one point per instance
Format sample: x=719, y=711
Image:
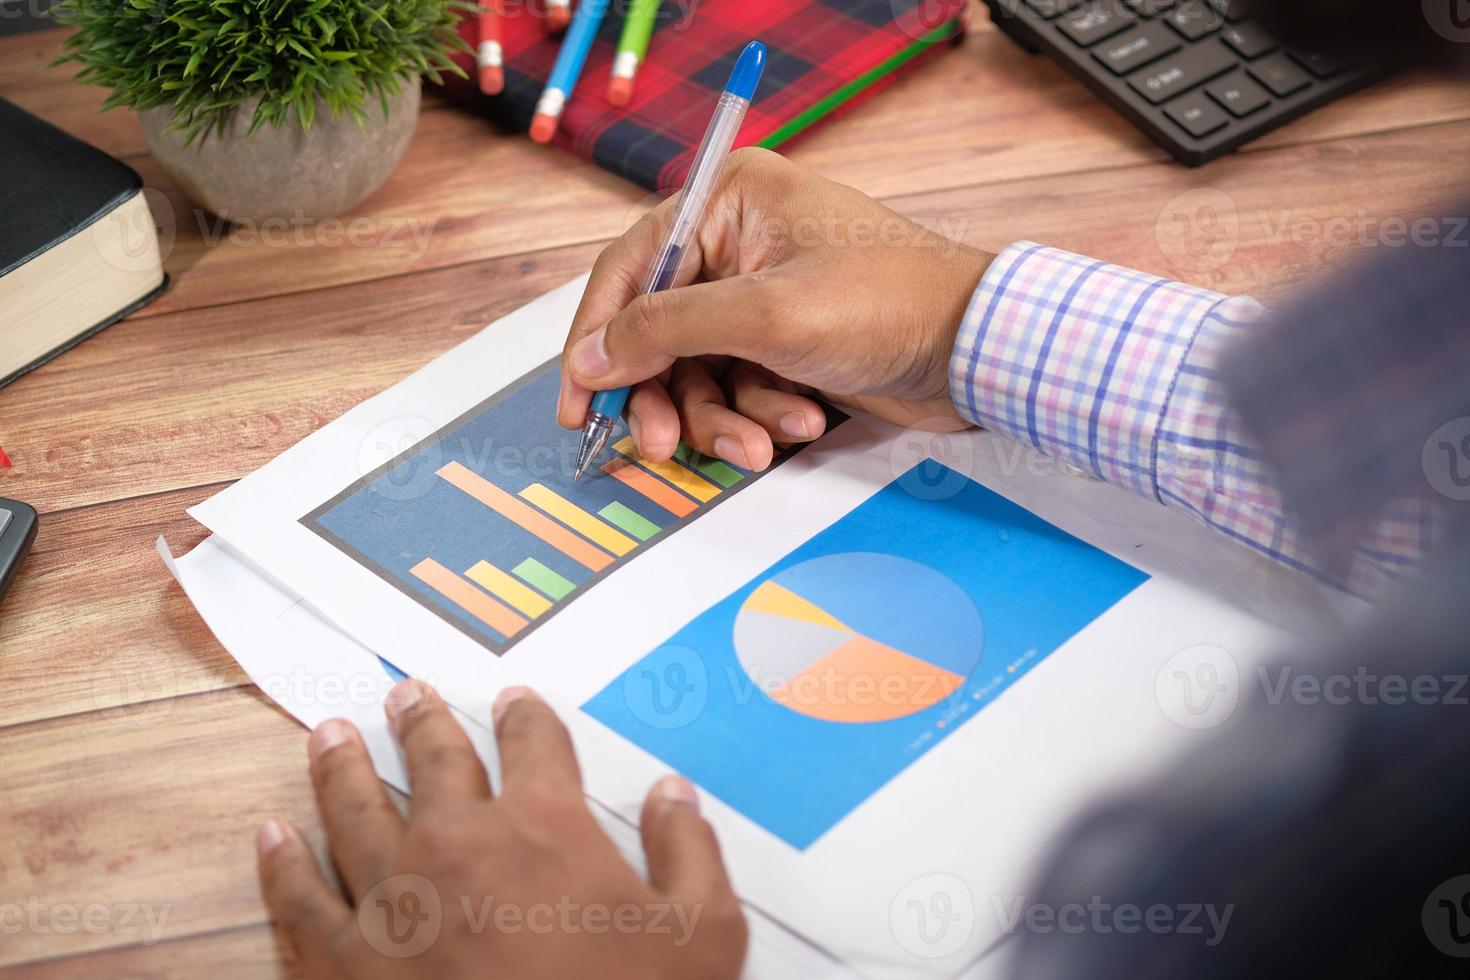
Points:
x=1076, y=357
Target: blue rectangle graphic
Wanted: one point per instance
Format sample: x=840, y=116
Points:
x=801, y=694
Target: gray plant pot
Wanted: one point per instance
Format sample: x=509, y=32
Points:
x=286, y=173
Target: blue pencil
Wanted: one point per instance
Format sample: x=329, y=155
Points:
x=568, y=67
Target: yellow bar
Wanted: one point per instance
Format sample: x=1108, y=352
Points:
x=579, y=520
x=685, y=479
x=512, y=590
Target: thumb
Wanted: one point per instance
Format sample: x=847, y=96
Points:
x=683, y=855
x=730, y=316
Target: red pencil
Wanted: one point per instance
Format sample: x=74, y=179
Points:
x=489, y=56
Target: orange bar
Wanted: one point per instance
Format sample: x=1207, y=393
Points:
x=651, y=487
x=514, y=509
x=685, y=479
x=467, y=597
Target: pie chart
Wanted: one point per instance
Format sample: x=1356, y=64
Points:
x=858, y=637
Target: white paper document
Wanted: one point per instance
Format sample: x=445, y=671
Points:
x=895, y=663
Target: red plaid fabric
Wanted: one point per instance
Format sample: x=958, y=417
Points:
x=815, y=48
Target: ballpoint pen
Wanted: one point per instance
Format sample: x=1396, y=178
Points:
x=709, y=160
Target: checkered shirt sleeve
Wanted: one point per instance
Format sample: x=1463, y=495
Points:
x=1116, y=372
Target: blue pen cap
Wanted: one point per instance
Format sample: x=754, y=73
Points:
x=746, y=74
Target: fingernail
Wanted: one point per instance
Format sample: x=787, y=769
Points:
x=589, y=355
x=327, y=736
x=505, y=699
x=270, y=836
x=677, y=789
x=794, y=425
x=405, y=695
x=731, y=451
x=635, y=429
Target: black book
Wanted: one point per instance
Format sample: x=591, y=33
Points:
x=78, y=244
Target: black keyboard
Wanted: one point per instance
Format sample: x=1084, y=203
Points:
x=1198, y=76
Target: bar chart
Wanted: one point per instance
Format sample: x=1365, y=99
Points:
x=482, y=524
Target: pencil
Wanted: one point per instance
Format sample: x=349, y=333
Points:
x=632, y=49
x=489, y=56
x=558, y=14
x=568, y=68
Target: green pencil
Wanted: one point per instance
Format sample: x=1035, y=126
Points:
x=632, y=48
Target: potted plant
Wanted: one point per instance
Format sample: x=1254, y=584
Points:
x=260, y=109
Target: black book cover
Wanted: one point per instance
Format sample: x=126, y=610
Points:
x=53, y=185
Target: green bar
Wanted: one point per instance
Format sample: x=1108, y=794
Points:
x=629, y=520
x=543, y=578
x=834, y=99
x=718, y=470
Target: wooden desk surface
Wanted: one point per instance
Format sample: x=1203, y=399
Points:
x=136, y=760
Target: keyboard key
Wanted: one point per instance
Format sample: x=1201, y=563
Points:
x=1318, y=64
x=1238, y=94
x=1051, y=8
x=1197, y=114
x=1193, y=19
x=1279, y=74
x=1231, y=10
x=1150, y=8
x=1137, y=47
x=1248, y=40
x=1179, y=72
x=1094, y=22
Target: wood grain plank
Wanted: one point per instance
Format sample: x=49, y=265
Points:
x=246, y=951
x=95, y=623
x=206, y=396
x=465, y=191
x=154, y=812
x=176, y=416
x=1284, y=218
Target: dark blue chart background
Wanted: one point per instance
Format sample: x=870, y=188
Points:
x=402, y=513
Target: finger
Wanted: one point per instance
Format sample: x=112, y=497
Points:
x=653, y=421
x=442, y=765
x=616, y=278
x=311, y=917
x=746, y=316
x=683, y=854
x=761, y=397
x=363, y=826
x=535, y=748
x=711, y=427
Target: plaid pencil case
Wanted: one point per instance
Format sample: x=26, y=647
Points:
x=824, y=56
